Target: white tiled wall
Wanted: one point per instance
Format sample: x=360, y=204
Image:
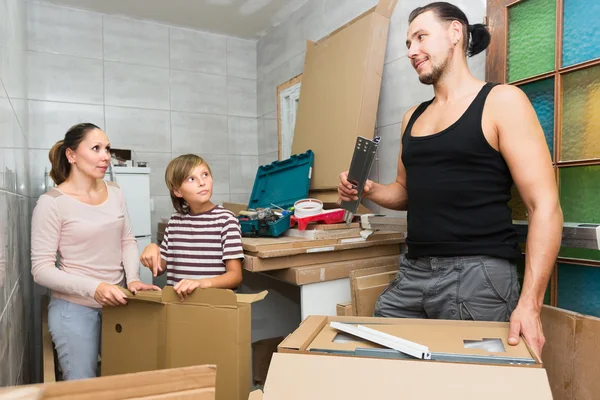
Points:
x=280, y=57
x=158, y=90
x=15, y=277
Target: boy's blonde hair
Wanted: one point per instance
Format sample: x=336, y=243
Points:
x=178, y=170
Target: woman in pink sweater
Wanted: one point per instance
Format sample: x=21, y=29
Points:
x=84, y=222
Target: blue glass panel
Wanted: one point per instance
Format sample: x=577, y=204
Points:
x=579, y=288
x=541, y=95
x=581, y=31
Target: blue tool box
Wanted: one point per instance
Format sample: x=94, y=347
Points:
x=278, y=186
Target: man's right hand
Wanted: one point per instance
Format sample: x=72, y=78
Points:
x=345, y=190
x=109, y=295
x=151, y=259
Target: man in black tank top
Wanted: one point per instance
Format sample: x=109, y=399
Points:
x=460, y=153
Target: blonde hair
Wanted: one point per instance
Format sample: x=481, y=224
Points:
x=58, y=153
x=178, y=170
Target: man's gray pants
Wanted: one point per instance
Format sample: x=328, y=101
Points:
x=479, y=288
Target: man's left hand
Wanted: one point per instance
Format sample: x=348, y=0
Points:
x=527, y=322
x=138, y=285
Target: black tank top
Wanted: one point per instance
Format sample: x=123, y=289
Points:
x=458, y=190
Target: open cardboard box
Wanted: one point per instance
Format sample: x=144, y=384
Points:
x=156, y=330
x=316, y=336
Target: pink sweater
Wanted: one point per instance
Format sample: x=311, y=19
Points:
x=94, y=244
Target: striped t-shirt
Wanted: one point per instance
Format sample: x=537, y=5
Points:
x=196, y=246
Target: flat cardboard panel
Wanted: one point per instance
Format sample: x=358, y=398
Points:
x=558, y=354
x=366, y=298
x=586, y=382
x=344, y=309
x=345, y=244
x=356, y=274
x=443, y=337
x=340, y=91
x=196, y=382
x=256, y=264
x=303, y=336
x=330, y=271
x=133, y=338
x=329, y=377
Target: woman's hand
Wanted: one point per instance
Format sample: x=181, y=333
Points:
x=109, y=295
x=151, y=259
x=186, y=287
x=138, y=285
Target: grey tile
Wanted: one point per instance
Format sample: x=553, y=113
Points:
x=396, y=43
x=268, y=136
x=241, y=97
x=400, y=90
x=8, y=170
x=62, y=30
x=22, y=171
x=136, y=42
x=242, y=198
x=4, y=290
x=200, y=93
x=49, y=121
x=10, y=130
x=15, y=32
x=39, y=165
x=13, y=71
x=241, y=58
x=219, y=165
x=199, y=133
x=163, y=209
x=65, y=78
x=267, y=159
x=337, y=16
x=138, y=129
x=158, y=165
x=219, y=198
x=243, y=136
x=243, y=173
x=198, y=51
x=140, y=86
x=267, y=83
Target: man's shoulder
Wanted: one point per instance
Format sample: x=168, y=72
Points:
x=507, y=96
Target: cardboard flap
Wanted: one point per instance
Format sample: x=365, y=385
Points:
x=386, y=7
x=256, y=395
x=203, y=297
x=153, y=296
x=251, y=298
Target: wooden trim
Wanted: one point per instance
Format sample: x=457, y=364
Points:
x=554, y=286
x=557, y=119
x=559, y=30
x=577, y=261
x=495, y=66
x=505, y=67
x=577, y=67
x=535, y=78
x=280, y=88
x=514, y=3
x=579, y=163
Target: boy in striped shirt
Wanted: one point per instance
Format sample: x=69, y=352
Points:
x=202, y=245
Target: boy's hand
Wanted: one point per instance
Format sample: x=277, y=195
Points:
x=186, y=287
x=151, y=259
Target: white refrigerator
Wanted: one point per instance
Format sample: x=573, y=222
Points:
x=135, y=183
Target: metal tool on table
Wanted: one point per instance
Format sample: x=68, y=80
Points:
x=360, y=167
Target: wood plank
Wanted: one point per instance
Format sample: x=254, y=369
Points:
x=326, y=227
x=495, y=69
x=49, y=372
x=323, y=246
x=358, y=273
x=256, y=264
x=318, y=234
x=331, y=271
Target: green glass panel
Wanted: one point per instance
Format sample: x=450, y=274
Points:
x=521, y=273
x=581, y=31
x=579, y=288
x=580, y=202
x=580, y=115
x=531, y=38
x=541, y=96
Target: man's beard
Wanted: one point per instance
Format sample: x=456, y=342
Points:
x=437, y=71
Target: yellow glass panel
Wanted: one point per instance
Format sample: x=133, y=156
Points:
x=581, y=115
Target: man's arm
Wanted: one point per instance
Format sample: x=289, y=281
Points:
x=522, y=144
x=394, y=195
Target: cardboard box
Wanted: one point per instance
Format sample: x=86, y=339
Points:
x=341, y=82
x=571, y=353
x=344, y=309
x=330, y=377
x=156, y=330
x=316, y=336
x=330, y=271
x=256, y=264
x=363, y=293
x=197, y=382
